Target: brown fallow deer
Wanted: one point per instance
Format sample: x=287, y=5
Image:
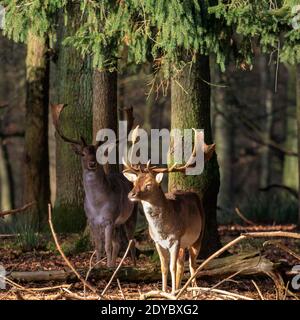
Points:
x=107, y=207
x=176, y=220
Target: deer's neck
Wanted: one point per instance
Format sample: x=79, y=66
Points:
x=95, y=184
x=155, y=205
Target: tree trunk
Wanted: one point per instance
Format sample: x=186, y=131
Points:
x=290, y=169
x=36, y=165
x=191, y=109
x=224, y=137
x=74, y=78
x=266, y=102
x=105, y=109
x=298, y=124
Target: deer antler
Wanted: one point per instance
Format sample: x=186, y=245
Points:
x=207, y=149
x=190, y=162
x=56, y=110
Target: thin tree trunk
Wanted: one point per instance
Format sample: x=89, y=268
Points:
x=298, y=124
x=290, y=169
x=105, y=109
x=224, y=137
x=74, y=86
x=266, y=101
x=36, y=133
x=191, y=109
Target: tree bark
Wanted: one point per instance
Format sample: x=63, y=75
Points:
x=224, y=137
x=191, y=109
x=290, y=169
x=74, y=86
x=105, y=109
x=298, y=125
x=36, y=164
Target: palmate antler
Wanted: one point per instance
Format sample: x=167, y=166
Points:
x=207, y=149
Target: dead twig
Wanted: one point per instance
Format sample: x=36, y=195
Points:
x=239, y=213
x=221, y=292
x=258, y=290
x=13, y=211
x=69, y=264
x=232, y=243
x=157, y=294
x=120, y=288
x=117, y=269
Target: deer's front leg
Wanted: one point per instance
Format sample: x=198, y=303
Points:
x=108, y=244
x=96, y=233
x=174, y=250
x=164, y=260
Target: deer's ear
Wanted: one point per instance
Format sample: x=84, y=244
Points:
x=130, y=176
x=76, y=148
x=209, y=151
x=159, y=177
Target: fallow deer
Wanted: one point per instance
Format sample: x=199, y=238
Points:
x=106, y=203
x=176, y=220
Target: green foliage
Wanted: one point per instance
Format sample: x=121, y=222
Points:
x=38, y=16
x=268, y=22
x=28, y=238
x=166, y=32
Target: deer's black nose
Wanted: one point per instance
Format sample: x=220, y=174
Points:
x=92, y=164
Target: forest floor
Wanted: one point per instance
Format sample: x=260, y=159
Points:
x=46, y=258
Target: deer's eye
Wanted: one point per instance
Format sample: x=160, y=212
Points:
x=148, y=187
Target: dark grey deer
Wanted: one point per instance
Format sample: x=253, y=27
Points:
x=106, y=204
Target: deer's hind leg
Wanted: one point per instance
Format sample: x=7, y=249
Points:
x=193, y=254
x=179, y=268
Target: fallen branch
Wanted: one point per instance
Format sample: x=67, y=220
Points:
x=69, y=264
x=232, y=243
x=156, y=294
x=13, y=211
x=221, y=292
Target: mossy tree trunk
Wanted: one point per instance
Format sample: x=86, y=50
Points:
x=105, y=109
x=36, y=165
x=74, y=86
x=190, y=108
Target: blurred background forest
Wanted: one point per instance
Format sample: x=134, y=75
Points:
x=253, y=120
x=230, y=69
